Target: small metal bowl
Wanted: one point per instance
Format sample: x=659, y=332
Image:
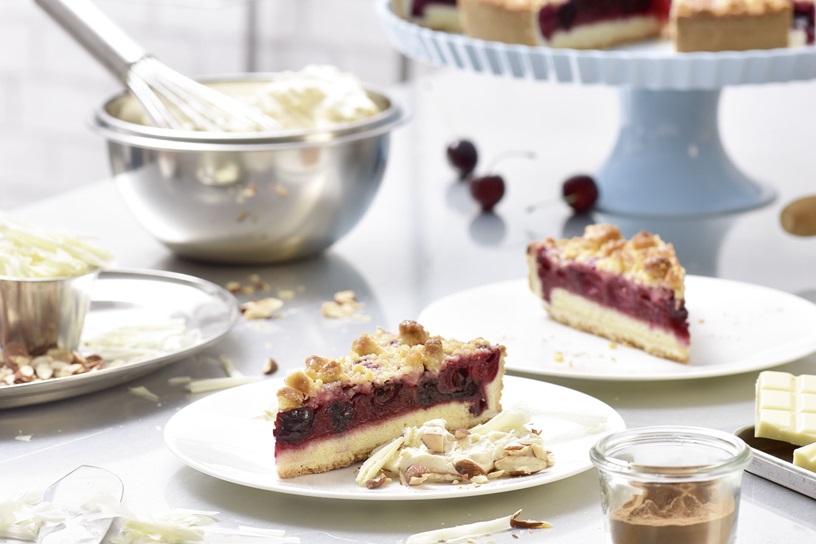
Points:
x=38, y=314
x=246, y=198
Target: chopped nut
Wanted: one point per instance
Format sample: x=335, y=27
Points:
x=434, y=442
x=286, y=294
x=344, y=305
x=261, y=309
x=416, y=474
x=468, y=468
x=344, y=297
x=333, y=310
x=233, y=287
x=270, y=367
x=459, y=434
x=374, y=483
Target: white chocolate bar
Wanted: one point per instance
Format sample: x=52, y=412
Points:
x=786, y=407
x=805, y=457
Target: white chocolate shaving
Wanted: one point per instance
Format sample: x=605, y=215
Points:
x=462, y=533
x=27, y=251
x=214, y=384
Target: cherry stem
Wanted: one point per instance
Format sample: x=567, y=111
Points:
x=509, y=154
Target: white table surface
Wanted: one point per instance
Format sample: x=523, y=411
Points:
x=423, y=239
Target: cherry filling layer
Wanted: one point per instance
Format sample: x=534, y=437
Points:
x=463, y=379
x=566, y=15
x=418, y=7
x=655, y=306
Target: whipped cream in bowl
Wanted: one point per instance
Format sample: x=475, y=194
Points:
x=256, y=197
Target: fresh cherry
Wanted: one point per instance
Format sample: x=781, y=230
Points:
x=580, y=193
x=462, y=156
x=487, y=190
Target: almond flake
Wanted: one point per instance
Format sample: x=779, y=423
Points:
x=261, y=309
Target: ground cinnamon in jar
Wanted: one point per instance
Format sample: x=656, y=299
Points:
x=675, y=513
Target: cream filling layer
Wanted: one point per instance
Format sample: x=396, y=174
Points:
x=581, y=313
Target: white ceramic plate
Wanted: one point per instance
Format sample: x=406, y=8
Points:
x=227, y=435
x=138, y=297
x=735, y=327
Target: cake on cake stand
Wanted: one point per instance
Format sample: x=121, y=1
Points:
x=668, y=160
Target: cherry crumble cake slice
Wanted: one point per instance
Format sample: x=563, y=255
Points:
x=336, y=411
x=629, y=291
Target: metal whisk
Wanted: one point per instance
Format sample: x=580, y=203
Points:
x=169, y=99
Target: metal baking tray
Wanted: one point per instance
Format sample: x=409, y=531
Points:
x=773, y=460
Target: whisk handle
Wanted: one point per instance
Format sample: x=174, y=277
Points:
x=96, y=32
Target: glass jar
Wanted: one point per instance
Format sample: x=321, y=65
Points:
x=670, y=485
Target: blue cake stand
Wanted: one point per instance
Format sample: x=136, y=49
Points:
x=669, y=159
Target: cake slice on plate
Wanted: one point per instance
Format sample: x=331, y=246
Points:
x=336, y=411
x=629, y=291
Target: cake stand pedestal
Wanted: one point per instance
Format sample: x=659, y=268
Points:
x=668, y=160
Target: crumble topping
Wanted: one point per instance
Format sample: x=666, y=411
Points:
x=374, y=359
x=645, y=258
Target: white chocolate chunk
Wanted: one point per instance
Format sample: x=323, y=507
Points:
x=805, y=457
x=786, y=407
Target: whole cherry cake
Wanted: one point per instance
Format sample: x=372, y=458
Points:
x=629, y=291
x=336, y=411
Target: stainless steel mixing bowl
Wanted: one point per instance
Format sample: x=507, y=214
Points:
x=246, y=197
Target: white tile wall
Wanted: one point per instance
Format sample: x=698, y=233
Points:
x=49, y=84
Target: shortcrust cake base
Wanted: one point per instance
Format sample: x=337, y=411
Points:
x=356, y=444
x=583, y=314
